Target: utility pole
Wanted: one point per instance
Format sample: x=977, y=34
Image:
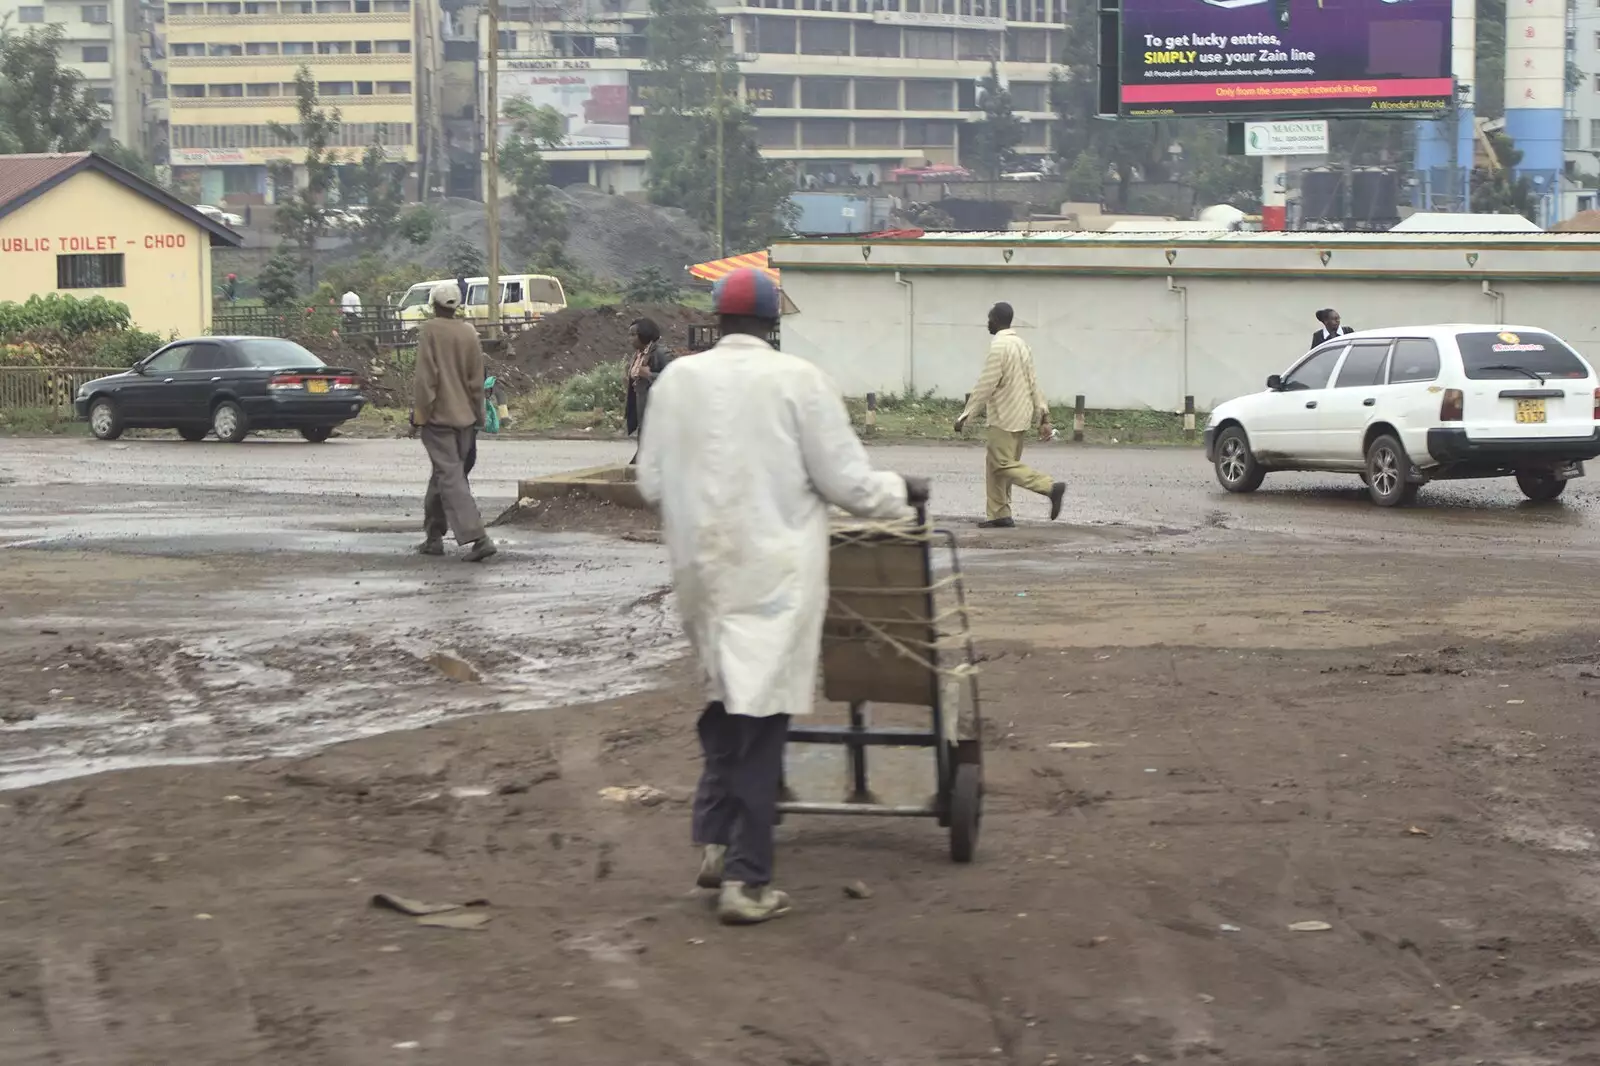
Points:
x=722, y=240
x=492, y=178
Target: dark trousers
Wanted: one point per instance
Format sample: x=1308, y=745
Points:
x=448, y=494
x=737, y=802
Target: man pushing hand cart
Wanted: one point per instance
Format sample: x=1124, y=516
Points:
x=744, y=450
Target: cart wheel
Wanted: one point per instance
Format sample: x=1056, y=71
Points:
x=966, y=811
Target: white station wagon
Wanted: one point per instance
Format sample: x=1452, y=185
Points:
x=1402, y=407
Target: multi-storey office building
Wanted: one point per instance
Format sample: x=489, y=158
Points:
x=101, y=41
x=231, y=67
x=842, y=88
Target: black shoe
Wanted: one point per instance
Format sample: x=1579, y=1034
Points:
x=997, y=523
x=431, y=546
x=1057, y=492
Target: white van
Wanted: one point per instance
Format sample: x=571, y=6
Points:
x=522, y=296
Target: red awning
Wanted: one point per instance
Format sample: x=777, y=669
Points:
x=719, y=268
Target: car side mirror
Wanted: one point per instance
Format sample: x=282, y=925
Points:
x=1274, y=383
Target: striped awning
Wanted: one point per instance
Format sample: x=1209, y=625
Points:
x=717, y=268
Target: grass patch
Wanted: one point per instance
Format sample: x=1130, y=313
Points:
x=40, y=422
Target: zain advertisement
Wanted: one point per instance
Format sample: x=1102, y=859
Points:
x=1312, y=58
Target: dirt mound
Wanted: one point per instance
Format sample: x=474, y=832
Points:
x=578, y=339
x=584, y=514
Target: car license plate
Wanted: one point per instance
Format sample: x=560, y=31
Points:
x=1530, y=411
x=321, y=385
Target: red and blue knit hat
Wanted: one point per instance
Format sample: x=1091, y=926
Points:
x=746, y=292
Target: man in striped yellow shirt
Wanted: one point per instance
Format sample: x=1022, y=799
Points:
x=1009, y=395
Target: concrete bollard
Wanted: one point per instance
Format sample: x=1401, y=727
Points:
x=1188, y=417
x=1077, y=418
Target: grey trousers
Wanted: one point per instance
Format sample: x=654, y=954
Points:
x=737, y=802
x=449, y=498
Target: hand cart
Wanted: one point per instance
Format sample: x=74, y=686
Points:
x=897, y=634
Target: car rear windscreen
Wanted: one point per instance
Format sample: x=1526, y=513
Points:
x=1493, y=356
x=270, y=353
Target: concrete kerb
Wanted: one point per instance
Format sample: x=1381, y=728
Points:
x=610, y=484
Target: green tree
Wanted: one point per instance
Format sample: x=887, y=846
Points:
x=379, y=185
x=651, y=286
x=44, y=107
x=418, y=223
x=691, y=79
x=1489, y=89
x=1497, y=190
x=534, y=130
x=998, y=134
x=279, y=282
x=462, y=258
x=302, y=217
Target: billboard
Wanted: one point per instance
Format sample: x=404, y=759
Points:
x=593, y=104
x=1238, y=58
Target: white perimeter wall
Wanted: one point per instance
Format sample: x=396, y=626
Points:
x=1120, y=341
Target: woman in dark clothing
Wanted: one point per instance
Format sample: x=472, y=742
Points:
x=1330, y=327
x=650, y=358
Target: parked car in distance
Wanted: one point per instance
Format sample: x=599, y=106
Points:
x=227, y=386
x=217, y=214
x=1402, y=407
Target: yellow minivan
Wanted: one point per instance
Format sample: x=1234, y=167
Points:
x=528, y=297
x=522, y=296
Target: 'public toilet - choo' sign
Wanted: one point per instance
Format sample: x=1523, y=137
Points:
x=92, y=243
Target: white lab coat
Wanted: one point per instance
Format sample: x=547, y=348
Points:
x=743, y=450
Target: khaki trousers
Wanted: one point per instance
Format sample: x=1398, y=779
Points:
x=448, y=449
x=1003, y=468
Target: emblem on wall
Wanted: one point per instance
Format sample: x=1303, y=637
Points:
x=1325, y=255
x=1472, y=259
x=1007, y=254
x=1172, y=256
x=866, y=251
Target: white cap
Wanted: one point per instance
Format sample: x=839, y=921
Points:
x=446, y=294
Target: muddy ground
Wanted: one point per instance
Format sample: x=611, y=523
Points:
x=1209, y=718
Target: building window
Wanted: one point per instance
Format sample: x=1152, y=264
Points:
x=94, y=14
x=225, y=50
x=298, y=48
x=262, y=88
x=1028, y=96
x=775, y=36
x=188, y=92
x=775, y=132
x=181, y=50
x=877, y=94
x=30, y=14
x=1594, y=133
x=1569, y=133
x=363, y=88
x=96, y=53
x=363, y=48
x=977, y=44
x=824, y=133
x=185, y=10
x=398, y=7
x=508, y=40
x=336, y=88
x=89, y=271
x=102, y=96
x=260, y=7
x=879, y=41
x=394, y=88
x=831, y=94
x=226, y=90
x=768, y=92
x=392, y=47
x=1028, y=46
x=825, y=37
x=333, y=7
x=261, y=48
x=298, y=7
x=930, y=133
x=930, y=96
x=228, y=8
x=930, y=44
x=877, y=133
x=334, y=48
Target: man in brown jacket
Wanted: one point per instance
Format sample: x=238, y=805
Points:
x=448, y=412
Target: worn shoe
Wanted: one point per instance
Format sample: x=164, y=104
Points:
x=711, y=866
x=482, y=548
x=739, y=905
x=1058, y=492
x=997, y=523
x=431, y=546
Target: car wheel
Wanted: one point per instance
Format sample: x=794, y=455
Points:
x=1387, y=468
x=192, y=433
x=1237, y=469
x=105, y=422
x=317, y=434
x=228, y=422
x=1540, y=486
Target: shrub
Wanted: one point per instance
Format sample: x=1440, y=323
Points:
x=63, y=314
x=598, y=389
x=418, y=225
x=279, y=283
x=652, y=286
x=123, y=349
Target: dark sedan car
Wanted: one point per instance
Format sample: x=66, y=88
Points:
x=223, y=385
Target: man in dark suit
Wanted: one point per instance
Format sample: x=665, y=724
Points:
x=1330, y=327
